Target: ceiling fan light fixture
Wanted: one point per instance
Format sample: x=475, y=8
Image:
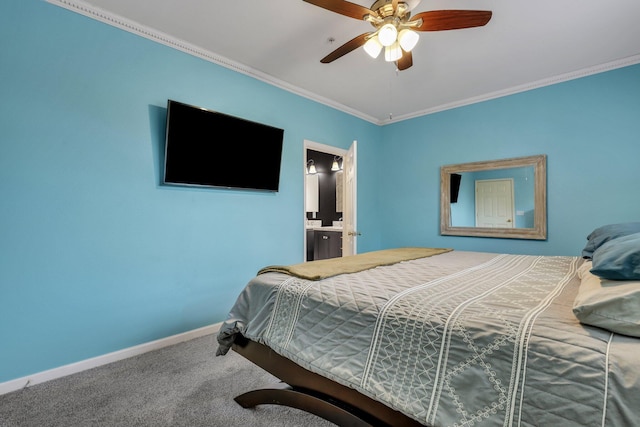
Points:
x=408, y=39
x=387, y=35
x=373, y=47
x=397, y=27
x=392, y=53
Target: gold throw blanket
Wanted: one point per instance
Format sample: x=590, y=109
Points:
x=321, y=269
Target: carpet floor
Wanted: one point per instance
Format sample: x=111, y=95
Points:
x=180, y=385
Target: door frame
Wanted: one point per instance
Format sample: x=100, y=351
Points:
x=329, y=149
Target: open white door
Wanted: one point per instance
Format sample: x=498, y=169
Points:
x=349, y=228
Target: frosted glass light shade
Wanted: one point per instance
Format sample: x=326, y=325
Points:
x=373, y=47
x=408, y=39
x=392, y=53
x=387, y=35
x=311, y=167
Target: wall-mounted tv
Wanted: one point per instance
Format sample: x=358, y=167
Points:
x=455, y=187
x=210, y=149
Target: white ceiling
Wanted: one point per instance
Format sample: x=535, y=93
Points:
x=526, y=44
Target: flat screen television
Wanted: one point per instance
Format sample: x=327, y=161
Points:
x=455, y=187
x=207, y=148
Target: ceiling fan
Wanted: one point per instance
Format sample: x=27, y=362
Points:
x=395, y=28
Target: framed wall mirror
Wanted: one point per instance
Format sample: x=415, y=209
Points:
x=499, y=198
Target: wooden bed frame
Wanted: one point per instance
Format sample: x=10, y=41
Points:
x=310, y=392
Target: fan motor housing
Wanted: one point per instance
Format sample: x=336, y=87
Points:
x=384, y=8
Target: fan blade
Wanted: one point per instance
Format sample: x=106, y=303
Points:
x=440, y=20
x=405, y=62
x=345, y=8
x=352, y=44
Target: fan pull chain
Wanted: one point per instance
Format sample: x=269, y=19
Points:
x=391, y=94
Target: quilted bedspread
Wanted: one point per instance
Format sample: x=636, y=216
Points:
x=456, y=339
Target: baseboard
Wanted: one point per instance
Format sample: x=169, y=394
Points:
x=94, y=362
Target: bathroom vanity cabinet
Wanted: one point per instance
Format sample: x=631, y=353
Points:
x=327, y=244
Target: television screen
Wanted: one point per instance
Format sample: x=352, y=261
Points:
x=212, y=149
x=455, y=187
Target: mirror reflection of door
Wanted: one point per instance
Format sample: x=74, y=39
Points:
x=494, y=203
x=464, y=209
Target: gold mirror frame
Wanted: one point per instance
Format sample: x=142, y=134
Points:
x=539, y=230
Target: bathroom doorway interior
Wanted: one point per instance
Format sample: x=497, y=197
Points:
x=330, y=197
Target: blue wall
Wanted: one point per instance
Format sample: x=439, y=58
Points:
x=589, y=128
x=96, y=256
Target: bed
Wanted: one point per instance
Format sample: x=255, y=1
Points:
x=439, y=337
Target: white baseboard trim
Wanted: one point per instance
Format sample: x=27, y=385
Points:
x=83, y=365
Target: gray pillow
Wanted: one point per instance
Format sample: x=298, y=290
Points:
x=618, y=259
x=608, y=304
x=603, y=234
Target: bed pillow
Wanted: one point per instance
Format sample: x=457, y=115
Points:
x=603, y=234
x=618, y=259
x=608, y=304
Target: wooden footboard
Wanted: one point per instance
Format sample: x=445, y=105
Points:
x=313, y=393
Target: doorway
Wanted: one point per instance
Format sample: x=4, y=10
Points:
x=335, y=210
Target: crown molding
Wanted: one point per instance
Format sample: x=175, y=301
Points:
x=134, y=27
x=597, y=69
x=109, y=18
